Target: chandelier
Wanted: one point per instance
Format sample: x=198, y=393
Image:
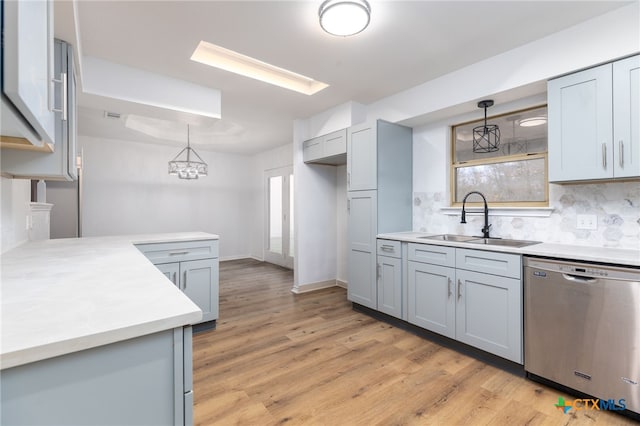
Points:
x=486, y=138
x=188, y=164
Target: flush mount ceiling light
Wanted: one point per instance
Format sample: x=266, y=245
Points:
x=486, y=138
x=533, y=121
x=189, y=165
x=228, y=60
x=344, y=17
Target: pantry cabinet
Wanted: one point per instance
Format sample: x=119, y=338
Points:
x=193, y=267
x=593, y=123
x=379, y=183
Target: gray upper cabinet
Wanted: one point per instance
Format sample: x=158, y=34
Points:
x=362, y=157
x=61, y=163
x=593, y=123
x=626, y=117
x=27, y=73
x=328, y=149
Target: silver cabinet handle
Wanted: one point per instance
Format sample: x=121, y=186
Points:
x=348, y=205
x=604, y=155
x=449, y=287
x=178, y=253
x=621, y=149
x=459, y=288
x=378, y=271
x=175, y=279
x=65, y=96
x=348, y=178
x=185, y=281
x=386, y=247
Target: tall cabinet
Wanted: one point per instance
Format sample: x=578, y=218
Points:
x=379, y=184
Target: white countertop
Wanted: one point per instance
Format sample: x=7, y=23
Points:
x=626, y=257
x=66, y=295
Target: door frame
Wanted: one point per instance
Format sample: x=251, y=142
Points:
x=285, y=258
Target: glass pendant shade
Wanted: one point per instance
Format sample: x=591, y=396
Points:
x=188, y=164
x=344, y=17
x=486, y=138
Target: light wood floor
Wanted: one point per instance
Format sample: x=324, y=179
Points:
x=281, y=358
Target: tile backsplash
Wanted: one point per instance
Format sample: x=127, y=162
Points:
x=616, y=205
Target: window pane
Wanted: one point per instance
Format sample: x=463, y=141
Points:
x=291, y=247
x=275, y=214
x=519, y=134
x=512, y=181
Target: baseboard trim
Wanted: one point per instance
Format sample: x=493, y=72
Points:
x=342, y=284
x=225, y=258
x=306, y=288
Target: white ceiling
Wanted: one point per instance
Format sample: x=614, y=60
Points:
x=407, y=43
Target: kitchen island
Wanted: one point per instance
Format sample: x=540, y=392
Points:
x=94, y=333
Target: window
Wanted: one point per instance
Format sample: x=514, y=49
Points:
x=516, y=174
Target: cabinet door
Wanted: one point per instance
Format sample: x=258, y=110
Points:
x=362, y=248
x=312, y=149
x=581, y=125
x=431, y=297
x=489, y=313
x=362, y=157
x=171, y=271
x=626, y=117
x=335, y=143
x=389, y=274
x=28, y=62
x=199, y=281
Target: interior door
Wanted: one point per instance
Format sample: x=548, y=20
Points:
x=279, y=238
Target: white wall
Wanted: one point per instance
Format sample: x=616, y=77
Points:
x=15, y=195
x=127, y=190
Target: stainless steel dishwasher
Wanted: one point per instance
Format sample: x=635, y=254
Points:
x=582, y=327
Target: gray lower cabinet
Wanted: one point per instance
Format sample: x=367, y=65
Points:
x=473, y=296
x=389, y=278
x=141, y=381
x=362, y=249
x=432, y=303
x=193, y=267
x=489, y=313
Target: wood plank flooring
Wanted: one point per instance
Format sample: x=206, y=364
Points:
x=281, y=358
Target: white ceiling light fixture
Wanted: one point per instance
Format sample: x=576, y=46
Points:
x=190, y=165
x=533, y=121
x=344, y=17
x=228, y=60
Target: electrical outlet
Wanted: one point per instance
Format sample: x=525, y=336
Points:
x=587, y=221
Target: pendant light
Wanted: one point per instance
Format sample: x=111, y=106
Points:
x=189, y=165
x=344, y=17
x=486, y=138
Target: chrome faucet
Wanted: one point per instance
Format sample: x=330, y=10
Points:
x=463, y=218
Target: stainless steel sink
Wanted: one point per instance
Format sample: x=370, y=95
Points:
x=449, y=237
x=502, y=242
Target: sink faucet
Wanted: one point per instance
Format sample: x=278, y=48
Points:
x=463, y=218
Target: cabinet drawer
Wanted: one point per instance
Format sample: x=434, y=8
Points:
x=436, y=255
x=389, y=248
x=179, y=251
x=503, y=264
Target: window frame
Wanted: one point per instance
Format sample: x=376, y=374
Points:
x=454, y=166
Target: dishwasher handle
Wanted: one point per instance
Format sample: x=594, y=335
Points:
x=579, y=278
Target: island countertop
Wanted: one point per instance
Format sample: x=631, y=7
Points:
x=67, y=295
